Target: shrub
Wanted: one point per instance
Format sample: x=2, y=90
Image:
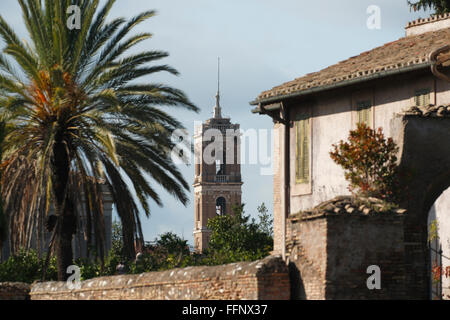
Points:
x=237, y=238
x=370, y=163
x=234, y=238
x=26, y=267
x=172, y=244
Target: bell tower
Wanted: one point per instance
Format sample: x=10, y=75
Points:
x=217, y=183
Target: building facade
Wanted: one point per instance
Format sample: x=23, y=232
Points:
x=218, y=182
x=318, y=110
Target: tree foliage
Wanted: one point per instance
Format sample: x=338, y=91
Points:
x=81, y=119
x=26, y=266
x=172, y=244
x=370, y=163
x=439, y=6
x=265, y=220
x=3, y=221
x=168, y=251
x=236, y=237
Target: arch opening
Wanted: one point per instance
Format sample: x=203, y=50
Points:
x=220, y=206
x=439, y=247
x=426, y=194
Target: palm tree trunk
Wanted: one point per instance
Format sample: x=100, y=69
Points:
x=3, y=220
x=128, y=241
x=64, y=236
x=66, y=223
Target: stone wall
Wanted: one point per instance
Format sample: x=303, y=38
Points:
x=14, y=291
x=330, y=250
x=423, y=137
x=266, y=279
x=306, y=251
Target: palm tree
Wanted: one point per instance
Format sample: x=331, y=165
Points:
x=3, y=227
x=439, y=6
x=78, y=119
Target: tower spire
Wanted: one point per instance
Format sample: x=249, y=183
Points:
x=217, y=108
x=218, y=74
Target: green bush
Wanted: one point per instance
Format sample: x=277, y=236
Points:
x=26, y=267
x=234, y=238
x=237, y=238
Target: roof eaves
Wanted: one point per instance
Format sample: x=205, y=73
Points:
x=381, y=74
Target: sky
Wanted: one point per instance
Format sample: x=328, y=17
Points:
x=261, y=44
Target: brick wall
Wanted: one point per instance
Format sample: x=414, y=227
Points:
x=265, y=279
x=14, y=291
x=357, y=242
x=306, y=250
x=329, y=255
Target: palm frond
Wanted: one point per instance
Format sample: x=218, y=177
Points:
x=82, y=122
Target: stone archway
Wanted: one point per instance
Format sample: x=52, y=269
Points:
x=424, y=141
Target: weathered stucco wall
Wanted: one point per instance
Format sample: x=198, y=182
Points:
x=265, y=279
x=333, y=116
x=330, y=252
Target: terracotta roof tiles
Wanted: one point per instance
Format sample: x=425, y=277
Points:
x=403, y=53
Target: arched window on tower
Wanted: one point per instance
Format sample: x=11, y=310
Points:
x=220, y=206
x=198, y=210
x=218, y=167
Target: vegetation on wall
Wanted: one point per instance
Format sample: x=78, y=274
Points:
x=235, y=238
x=26, y=266
x=369, y=161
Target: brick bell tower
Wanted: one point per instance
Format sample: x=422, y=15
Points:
x=217, y=184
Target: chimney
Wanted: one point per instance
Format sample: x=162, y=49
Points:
x=432, y=23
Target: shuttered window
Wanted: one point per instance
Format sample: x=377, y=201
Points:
x=363, y=109
x=303, y=140
x=422, y=97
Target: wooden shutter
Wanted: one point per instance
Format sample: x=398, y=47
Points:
x=422, y=97
x=364, y=108
x=302, y=149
